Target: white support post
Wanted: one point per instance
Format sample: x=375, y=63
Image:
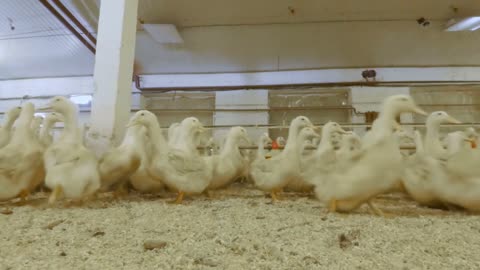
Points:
x=113, y=72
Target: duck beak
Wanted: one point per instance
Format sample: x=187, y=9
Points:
x=452, y=120
x=417, y=110
x=132, y=123
x=44, y=108
x=342, y=131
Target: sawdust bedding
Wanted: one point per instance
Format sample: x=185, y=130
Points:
x=238, y=229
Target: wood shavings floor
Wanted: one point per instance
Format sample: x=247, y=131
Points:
x=240, y=229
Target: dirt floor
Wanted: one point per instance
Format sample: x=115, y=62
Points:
x=239, y=229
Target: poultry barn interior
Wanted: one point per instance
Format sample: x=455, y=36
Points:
x=272, y=134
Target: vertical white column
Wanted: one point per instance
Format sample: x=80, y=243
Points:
x=113, y=72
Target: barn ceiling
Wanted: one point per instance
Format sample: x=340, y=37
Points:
x=187, y=13
x=34, y=44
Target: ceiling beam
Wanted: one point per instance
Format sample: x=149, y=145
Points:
x=72, y=29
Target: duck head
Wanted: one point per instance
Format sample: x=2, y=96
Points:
x=456, y=141
x=240, y=133
x=142, y=117
x=192, y=124
x=308, y=133
x=300, y=122
x=441, y=117
x=53, y=118
x=37, y=121
x=333, y=127
x=14, y=112
x=58, y=104
x=266, y=139
x=402, y=104
x=281, y=141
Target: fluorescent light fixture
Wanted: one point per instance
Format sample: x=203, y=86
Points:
x=163, y=33
x=465, y=24
x=82, y=100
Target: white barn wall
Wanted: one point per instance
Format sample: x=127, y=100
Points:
x=241, y=99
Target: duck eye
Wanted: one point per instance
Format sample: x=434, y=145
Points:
x=142, y=114
x=57, y=99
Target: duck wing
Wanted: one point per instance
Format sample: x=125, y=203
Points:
x=464, y=163
x=184, y=163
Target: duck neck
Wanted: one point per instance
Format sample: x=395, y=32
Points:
x=299, y=145
x=186, y=140
x=23, y=130
x=433, y=130
x=261, y=147
x=46, y=128
x=9, y=122
x=130, y=135
x=291, y=144
x=155, y=134
x=326, y=141
x=418, y=142
x=386, y=119
x=231, y=146
x=70, y=128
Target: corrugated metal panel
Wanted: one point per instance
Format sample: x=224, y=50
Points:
x=35, y=44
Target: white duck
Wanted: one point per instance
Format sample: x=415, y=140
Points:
x=229, y=164
x=462, y=187
x=472, y=135
x=376, y=170
x=141, y=180
x=179, y=167
x=274, y=174
x=21, y=166
x=323, y=159
x=433, y=144
x=117, y=164
x=263, y=141
x=46, y=136
x=6, y=128
x=420, y=174
x=71, y=169
x=173, y=133
x=350, y=147
x=36, y=126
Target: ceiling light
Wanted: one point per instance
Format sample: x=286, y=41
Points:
x=465, y=24
x=163, y=33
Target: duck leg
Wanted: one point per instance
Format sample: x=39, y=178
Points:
x=332, y=206
x=375, y=209
x=210, y=194
x=57, y=192
x=273, y=194
x=121, y=190
x=179, y=198
x=24, y=195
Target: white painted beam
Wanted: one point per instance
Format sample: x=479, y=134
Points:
x=46, y=87
x=113, y=72
x=298, y=77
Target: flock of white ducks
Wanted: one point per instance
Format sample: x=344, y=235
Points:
x=343, y=177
